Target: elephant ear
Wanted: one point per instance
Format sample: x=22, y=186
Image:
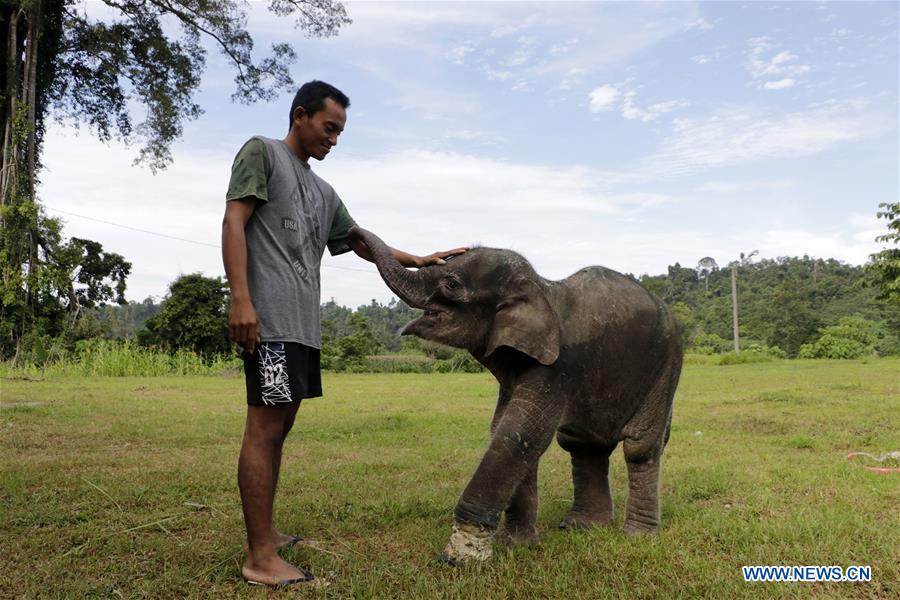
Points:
x=526, y=322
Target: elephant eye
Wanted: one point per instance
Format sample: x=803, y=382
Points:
x=452, y=283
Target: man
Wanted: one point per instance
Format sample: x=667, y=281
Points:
x=279, y=218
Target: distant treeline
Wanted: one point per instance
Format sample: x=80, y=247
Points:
x=784, y=304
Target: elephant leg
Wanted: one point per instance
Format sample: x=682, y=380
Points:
x=593, y=503
x=521, y=514
x=521, y=436
x=645, y=439
x=642, y=508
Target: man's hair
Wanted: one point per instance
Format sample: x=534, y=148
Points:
x=311, y=96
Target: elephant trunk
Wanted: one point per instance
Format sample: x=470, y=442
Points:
x=409, y=286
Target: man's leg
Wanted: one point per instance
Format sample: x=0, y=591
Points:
x=264, y=436
x=281, y=539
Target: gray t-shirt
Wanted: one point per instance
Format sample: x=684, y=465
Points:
x=298, y=215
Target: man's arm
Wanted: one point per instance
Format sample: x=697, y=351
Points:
x=243, y=324
x=404, y=258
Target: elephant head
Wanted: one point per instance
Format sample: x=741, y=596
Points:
x=481, y=301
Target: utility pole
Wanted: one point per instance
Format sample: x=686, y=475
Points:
x=734, y=312
x=734, y=303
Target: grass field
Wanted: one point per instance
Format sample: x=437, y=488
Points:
x=125, y=487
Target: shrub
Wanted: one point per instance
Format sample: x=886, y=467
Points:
x=745, y=357
x=710, y=343
x=852, y=337
x=460, y=362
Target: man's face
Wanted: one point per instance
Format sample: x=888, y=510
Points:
x=319, y=133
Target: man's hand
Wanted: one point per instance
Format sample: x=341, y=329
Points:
x=438, y=257
x=243, y=325
x=404, y=258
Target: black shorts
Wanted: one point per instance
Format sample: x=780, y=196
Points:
x=282, y=372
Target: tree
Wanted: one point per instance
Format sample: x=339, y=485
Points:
x=46, y=280
x=85, y=70
x=684, y=321
x=194, y=316
x=884, y=268
x=361, y=342
x=789, y=317
x=706, y=266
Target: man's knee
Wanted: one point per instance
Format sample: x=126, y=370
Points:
x=269, y=424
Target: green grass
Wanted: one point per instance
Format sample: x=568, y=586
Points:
x=125, y=487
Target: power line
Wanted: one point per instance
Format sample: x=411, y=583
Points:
x=172, y=237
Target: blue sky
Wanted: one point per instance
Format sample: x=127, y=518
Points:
x=630, y=134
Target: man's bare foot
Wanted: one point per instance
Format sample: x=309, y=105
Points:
x=279, y=540
x=272, y=570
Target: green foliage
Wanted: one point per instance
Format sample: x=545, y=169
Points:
x=48, y=280
x=123, y=320
x=710, y=343
x=357, y=349
x=193, y=316
x=117, y=358
x=852, y=337
x=745, y=357
x=684, y=321
x=783, y=302
x=354, y=348
x=460, y=362
x=884, y=268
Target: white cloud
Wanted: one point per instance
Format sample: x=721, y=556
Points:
x=495, y=75
x=507, y=30
x=741, y=187
x=420, y=201
x=702, y=59
x=700, y=23
x=763, y=65
x=630, y=110
x=573, y=77
x=781, y=84
x=518, y=58
x=603, y=98
x=847, y=246
x=607, y=97
x=458, y=54
x=563, y=47
x=739, y=135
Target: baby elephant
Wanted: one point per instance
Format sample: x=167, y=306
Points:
x=594, y=358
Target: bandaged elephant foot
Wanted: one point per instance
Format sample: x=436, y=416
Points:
x=468, y=542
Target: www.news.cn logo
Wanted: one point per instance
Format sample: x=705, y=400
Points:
x=807, y=573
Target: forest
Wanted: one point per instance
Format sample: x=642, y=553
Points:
x=789, y=307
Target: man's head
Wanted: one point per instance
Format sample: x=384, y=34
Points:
x=318, y=115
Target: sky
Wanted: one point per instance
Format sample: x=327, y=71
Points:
x=632, y=135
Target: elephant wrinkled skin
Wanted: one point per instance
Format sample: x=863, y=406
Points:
x=594, y=358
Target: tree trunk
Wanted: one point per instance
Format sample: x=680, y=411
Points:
x=30, y=88
x=11, y=93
